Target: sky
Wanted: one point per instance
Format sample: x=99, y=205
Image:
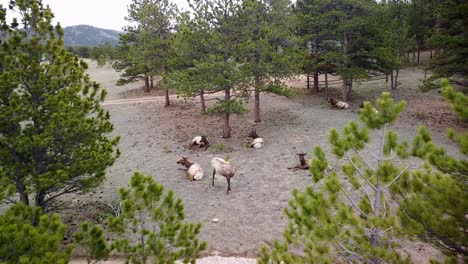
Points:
x=108, y=14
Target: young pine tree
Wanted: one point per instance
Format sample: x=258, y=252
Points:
x=92, y=240
x=54, y=134
x=28, y=236
x=350, y=219
x=151, y=225
x=435, y=200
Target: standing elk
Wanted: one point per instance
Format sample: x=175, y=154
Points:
x=224, y=168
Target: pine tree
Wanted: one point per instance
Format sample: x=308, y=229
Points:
x=28, y=236
x=337, y=223
x=341, y=36
x=450, y=39
x=267, y=43
x=218, y=20
x=155, y=219
x=101, y=61
x=93, y=241
x=54, y=134
x=144, y=48
x=187, y=50
x=435, y=200
x=392, y=55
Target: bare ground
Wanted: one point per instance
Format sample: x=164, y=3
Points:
x=154, y=138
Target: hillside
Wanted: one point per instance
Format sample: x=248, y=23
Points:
x=85, y=35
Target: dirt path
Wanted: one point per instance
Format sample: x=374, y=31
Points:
x=154, y=138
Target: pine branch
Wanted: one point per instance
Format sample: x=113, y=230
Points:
x=370, y=151
x=353, y=204
x=359, y=172
x=364, y=160
x=397, y=177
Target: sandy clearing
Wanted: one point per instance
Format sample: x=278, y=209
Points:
x=153, y=138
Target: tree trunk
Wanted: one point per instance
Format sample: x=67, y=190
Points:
x=391, y=83
x=414, y=56
x=21, y=189
x=167, y=103
x=350, y=90
x=226, y=127
x=316, y=82
x=386, y=78
x=431, y=55
x=151, y=83
x=202, y=100
x=419, y=52
x=39, y=199
x=396, y=78
x=257, y=100
x=345, y=88
x=308, y=81
x=326, y=86
x=146, y=89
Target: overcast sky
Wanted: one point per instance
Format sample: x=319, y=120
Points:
x=107, y=14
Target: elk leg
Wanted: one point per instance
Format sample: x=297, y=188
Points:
x=191, y=145
x=207, y=146
x=214, y=172
x=228, y=178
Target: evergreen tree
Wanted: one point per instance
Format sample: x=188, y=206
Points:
x=218, y=20
x=435, y=200
x=101, y=61
x=341, y=36
x=338, y=224
x=187, y=49
x=54, y=134
x=392, y=55
x=144, y=48
x=268, y=47
x=28, y=236
x=155, y=219
x=450, y=39
x=93, y=241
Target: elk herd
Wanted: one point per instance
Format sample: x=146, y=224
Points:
x=227, y=169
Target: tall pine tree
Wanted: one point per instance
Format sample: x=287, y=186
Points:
x=54, y=135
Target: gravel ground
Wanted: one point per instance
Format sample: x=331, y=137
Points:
x=154, y=138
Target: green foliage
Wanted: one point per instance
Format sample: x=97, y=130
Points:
x=450, y=39
x=458, y=100
x=219, y=147
x=155, y=218
x=233, y=106
x=54, y=133
x=93, y=241
x=281, y=89
x=28, y=236
x=345, y=37
x=435, y=200
x=101, y=61
x=143, y=50
x=349, y=219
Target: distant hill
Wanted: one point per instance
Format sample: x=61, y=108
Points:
x=85, y=35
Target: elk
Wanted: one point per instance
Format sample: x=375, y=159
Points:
x=257, y=141
x=200, y=141
x=194, y=171
x=224, y=168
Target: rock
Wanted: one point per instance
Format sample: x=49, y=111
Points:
x=215, y=220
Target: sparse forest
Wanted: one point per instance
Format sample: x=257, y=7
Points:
x=373, y=91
